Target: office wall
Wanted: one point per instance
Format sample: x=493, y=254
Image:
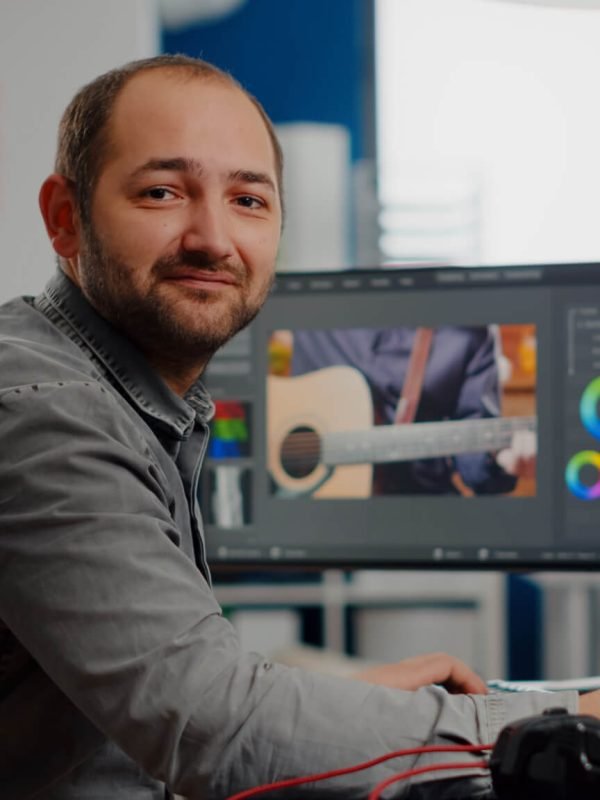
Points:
x=47, y=50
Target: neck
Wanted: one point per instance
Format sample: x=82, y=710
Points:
x=179, y=377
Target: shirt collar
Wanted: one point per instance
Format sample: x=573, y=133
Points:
x=125, y=364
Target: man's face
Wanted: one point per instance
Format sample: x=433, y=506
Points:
x=185, y=217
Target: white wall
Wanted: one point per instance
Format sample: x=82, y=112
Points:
x=48, y=49
x=499, y=101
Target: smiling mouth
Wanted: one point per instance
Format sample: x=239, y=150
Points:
x=199, y=279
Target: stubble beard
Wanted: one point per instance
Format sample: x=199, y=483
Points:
x=152, y=319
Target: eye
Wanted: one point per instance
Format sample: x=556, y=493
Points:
x=159, y=193
x=248, y=201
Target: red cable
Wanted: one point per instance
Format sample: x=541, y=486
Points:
x=376, y=793
x=434, y=748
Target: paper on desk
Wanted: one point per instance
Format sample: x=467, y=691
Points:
x=578, y=684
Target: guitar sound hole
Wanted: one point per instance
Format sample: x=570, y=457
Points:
x=300, y=452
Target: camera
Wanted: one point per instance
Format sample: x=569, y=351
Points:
x=554, y=756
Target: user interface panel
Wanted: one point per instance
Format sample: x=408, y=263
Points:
x=440, y=416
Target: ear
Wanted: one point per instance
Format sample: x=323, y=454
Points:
x=57, y=204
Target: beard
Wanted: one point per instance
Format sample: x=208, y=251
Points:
x=173, y=323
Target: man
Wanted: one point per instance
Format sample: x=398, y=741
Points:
x=118, y=673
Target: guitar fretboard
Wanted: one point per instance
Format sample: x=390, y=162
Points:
x=386, y=443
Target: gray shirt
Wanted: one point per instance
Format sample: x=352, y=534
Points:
x=118, y=672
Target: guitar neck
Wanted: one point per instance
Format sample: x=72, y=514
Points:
x=387, y=443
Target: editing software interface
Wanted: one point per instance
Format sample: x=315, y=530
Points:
x=428, y=417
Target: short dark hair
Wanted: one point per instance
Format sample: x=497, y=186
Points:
x=82, y=135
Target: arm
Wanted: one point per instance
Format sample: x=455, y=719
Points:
x=96, y=589
x=589, y=703
x=413, y=673
x=479, y=397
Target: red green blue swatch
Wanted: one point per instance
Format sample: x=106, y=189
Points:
x=229, y=431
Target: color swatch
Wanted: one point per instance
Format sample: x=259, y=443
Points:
x=588, y=408
x=586, y=458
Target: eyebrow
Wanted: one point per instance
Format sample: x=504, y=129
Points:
x=248, y=176
x=194, y=167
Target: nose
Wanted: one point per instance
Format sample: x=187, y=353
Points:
x=207, y=230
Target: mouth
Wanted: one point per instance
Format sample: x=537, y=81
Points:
x=200, y=279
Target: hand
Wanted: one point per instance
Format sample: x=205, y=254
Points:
x=520, y=458
x=412, y=673
x=589, y=703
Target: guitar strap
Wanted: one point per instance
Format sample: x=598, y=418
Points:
x=406, y=409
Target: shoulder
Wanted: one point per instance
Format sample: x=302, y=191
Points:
x=48, y=382
x=75, y=446
x=466, y=339
x=56, y=404
x=58, y=417
x=33, y=350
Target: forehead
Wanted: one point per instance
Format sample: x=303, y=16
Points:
x=160, y=113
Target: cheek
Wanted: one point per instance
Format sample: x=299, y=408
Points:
x=259, y=250
x=137, y=241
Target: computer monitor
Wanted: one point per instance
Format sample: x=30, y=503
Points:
x=324, y=453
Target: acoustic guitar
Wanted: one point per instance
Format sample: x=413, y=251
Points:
x=322, y=441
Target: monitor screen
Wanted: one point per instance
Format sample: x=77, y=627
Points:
x=431, y=417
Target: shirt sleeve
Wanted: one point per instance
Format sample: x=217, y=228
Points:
x=94, y=586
